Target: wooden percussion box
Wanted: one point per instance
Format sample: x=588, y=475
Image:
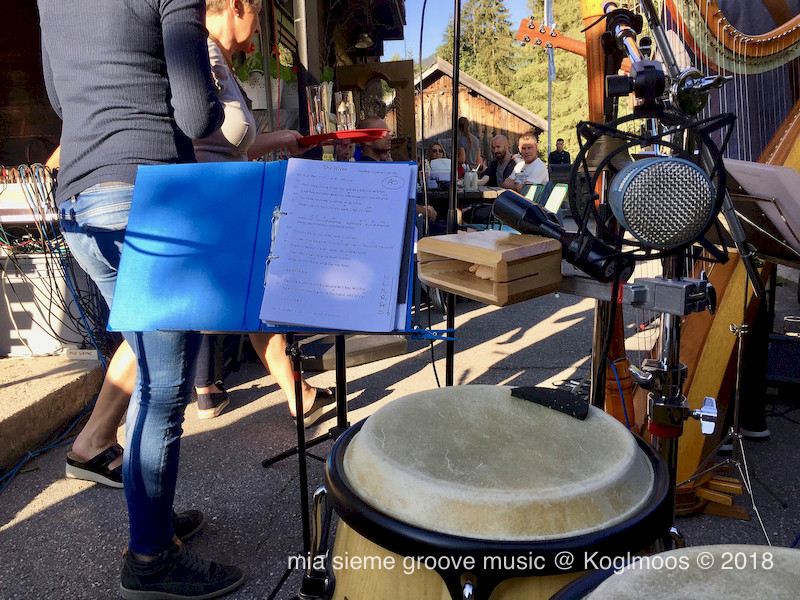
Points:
x=495, y=267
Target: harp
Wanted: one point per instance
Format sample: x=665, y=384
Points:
x=757, y=44
x=763, y=66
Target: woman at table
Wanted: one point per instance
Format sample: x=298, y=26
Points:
x=435, y=151
x=469, y=146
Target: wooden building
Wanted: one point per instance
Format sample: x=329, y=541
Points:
x=489, y=112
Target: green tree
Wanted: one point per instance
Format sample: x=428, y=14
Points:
x=491, y=38
x=487, y=55
x=445, y=49
x=485, y=50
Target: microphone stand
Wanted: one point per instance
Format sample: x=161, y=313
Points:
x=449, y=345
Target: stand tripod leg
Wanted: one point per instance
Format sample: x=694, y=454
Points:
x=297, y=372
x=303, y=445
x=341, y=386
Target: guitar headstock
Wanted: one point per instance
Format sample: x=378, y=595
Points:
x=531, y=32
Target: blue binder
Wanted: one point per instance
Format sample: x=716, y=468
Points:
x=197, y=244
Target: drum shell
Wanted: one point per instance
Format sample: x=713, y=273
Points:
x=411, y=580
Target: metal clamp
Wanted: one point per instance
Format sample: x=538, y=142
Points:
x=707, y=415
x=664, y=381
x=672, y=296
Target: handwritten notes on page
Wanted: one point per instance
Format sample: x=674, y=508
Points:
x=337, y=246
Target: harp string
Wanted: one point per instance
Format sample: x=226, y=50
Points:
x=760, y=94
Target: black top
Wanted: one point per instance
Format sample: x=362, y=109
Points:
x=131, y=81
x=491, y=171
x=558, y=157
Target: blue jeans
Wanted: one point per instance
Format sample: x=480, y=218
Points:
x=93, y=223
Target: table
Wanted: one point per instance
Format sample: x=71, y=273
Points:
x=440, y=198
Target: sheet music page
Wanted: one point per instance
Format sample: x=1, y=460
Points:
x=338, y=245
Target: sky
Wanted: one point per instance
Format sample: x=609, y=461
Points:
x=437, y=15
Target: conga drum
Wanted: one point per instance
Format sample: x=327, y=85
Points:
x=722, y=572
x=471, y=492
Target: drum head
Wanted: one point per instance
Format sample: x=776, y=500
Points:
x=474, y=461
x=472, y=470
x=730, y=572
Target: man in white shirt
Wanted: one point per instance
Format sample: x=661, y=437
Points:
x=533, y=170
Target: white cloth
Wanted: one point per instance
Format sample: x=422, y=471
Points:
x=534, y=172
x=238, y=131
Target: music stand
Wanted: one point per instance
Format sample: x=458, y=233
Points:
x=301, y=449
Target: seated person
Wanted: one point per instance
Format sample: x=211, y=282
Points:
x=435, y=151
x=344, y=152
x=503, y=164
x=381, y=150
x=532, y=170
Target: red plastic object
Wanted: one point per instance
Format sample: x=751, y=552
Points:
x=350, y=135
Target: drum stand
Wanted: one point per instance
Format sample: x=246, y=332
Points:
x=664, y=376
x=302, y=447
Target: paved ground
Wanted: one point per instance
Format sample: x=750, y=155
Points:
x=63, y=538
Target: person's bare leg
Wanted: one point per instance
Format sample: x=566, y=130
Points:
x=100, y=431
x=271, y=349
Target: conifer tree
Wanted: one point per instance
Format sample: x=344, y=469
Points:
x=487, y=55
x=445, y=49
x=495, y=57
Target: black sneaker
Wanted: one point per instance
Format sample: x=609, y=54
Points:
x=187, y=523
x=211, y=405
x=176, y=574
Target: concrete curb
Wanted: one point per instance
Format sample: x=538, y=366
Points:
x=39, y=396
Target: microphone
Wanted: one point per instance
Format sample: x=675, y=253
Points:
x=586, y=253
x=664, y=202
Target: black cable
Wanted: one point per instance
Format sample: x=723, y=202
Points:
x=424, y=182
x=48, y=297
x=600, y=376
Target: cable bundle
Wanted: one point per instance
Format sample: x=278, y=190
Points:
x=38, y=272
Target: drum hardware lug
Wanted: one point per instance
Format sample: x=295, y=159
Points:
x=677, y=539
x=318, y=584
x=467, y=587
x=468, y=592
x=707, y=415
x=671, y=540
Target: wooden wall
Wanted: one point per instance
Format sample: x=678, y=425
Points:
x=487, y=119
x=25, y=112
